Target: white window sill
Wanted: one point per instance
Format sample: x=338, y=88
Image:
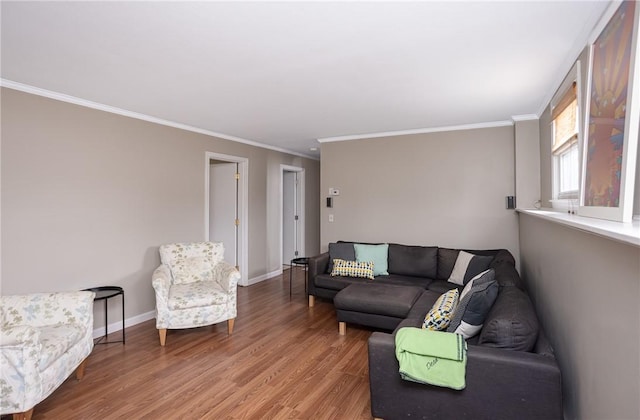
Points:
x=628, y=233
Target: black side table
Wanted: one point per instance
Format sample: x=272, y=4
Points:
x=105, y=293
x=302, y=261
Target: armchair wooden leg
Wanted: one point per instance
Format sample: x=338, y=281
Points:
x=230, y=323
x=163, y=336
x=23, y=416
x=312, y=301
x=342, y=328
x=80, y=370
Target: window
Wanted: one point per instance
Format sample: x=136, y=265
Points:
x=565, y=117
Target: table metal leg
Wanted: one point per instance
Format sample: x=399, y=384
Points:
x=290, y=279
x=122, y=317
x=106, y=321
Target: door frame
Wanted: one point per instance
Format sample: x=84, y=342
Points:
x=243, y=210
x=301, y=208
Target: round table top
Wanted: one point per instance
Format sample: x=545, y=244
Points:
x=300, y=260
x=105, y=292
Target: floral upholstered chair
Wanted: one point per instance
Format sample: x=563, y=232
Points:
x=194, y=287
x=44, y=338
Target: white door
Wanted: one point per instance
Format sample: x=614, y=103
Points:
x=223, y=208
x=290, y=217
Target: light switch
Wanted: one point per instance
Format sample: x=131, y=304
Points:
x=331, y=218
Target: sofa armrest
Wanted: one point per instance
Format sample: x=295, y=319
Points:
x=500, y=384
x=20, y=354
x=161, y=281
x=317, y=265
x=226, y=276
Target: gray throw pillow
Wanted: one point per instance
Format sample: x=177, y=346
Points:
x=476, y=301
x=468, y=266
x=342, y=250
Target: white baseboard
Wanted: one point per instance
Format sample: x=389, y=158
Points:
x=128, y=322
x=134, y=320
x=263, y=277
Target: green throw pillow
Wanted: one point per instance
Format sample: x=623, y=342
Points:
x=378, y=254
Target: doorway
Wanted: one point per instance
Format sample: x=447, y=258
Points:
x=226, y=212
x=292, y=213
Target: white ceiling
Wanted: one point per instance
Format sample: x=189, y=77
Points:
x=285, y=74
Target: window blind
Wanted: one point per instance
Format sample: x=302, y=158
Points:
x=565, y=120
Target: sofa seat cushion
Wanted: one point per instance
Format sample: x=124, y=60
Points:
x=56, y=340
x=195, y=295
x=399, y=280
x=327, y=281
x=422, y=306
x=380, y=299
x=441, y=286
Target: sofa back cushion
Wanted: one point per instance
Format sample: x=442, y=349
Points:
x=446, y=261
x=511, y=323
x=416, y=261
x=341, y=250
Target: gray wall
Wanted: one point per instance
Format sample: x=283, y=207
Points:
x=88, y=196
x=527, y=141
x=446, y=189
x=586, y=292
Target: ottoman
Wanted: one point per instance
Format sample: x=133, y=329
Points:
x=380, y=306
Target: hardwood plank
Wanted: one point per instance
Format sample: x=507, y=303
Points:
x=285, y=360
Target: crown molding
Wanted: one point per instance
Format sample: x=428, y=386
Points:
x=131, y=114
x=417, y=131
x=525, y=117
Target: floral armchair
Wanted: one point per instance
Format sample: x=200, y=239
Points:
x=194, y=287
x=44, y=337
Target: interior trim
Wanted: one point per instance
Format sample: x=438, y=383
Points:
x=628, y=233
x=491, y=124
x=131, y=114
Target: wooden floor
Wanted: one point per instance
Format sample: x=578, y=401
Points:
x=284, y=360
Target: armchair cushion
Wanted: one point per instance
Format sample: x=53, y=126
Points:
x=56, y=339
x=191, y=269
x=197, y=294
x=174, y=254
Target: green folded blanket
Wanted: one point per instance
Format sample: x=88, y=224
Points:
x=432, y=357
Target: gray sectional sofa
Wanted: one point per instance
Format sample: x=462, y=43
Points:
x=511, y=368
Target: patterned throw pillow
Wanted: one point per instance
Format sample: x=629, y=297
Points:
x=439, y=317
x=192, y=269
x=352, y=268
x=468, y=266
